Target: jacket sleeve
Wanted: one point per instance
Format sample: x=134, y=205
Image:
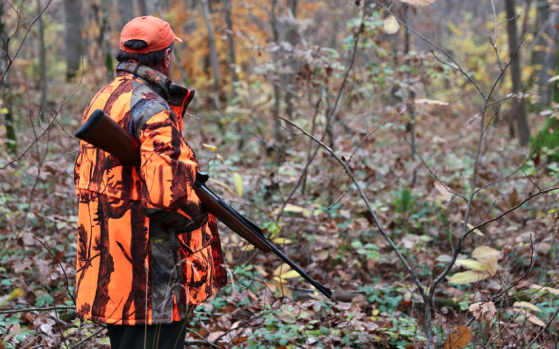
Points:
x=168, y=170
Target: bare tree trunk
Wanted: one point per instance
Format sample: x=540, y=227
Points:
x=213, y=53
x=146, y=7
x=42, y=63
x=105, y=36
x=74, y=45
x=233, y=66
x=277, y=94
x=9, y=122
x=125, y=12
x=543, y=56
x=519, y=107
x=411, y=94
x=232, y=57
x=291, y=38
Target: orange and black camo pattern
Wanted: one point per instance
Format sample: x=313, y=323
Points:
x=147, y=251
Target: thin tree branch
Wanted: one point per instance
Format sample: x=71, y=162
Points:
x=12, y=59
x=87, y=338
x=530, y=197
x=328, y=120
x=362, y=194
x=403, y=23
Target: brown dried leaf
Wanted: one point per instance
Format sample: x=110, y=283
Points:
x=531, y=317
x=484, y=311
x=526, y=305
x=485, y=251
x=443, y=191
x=490, y=263
x=458, y=339
x=215, y=335
x=476, y=231
x=548, y=289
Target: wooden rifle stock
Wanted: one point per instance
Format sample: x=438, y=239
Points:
x=101, y=131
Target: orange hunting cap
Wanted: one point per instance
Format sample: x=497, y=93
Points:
x=155, y=31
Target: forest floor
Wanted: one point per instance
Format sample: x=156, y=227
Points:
x=376, y=304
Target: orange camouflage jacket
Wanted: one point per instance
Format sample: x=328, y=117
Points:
x=146, y=249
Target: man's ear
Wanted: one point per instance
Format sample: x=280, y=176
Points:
x=167, y=59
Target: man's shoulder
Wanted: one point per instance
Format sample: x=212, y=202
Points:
x=145, y=104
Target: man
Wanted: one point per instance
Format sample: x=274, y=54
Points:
x=148, y=252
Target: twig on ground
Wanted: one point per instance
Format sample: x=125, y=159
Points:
x=87, y=338
x=24, y=310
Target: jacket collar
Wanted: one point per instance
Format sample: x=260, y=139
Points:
x=177, y=96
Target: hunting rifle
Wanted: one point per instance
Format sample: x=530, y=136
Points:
x=101, y=131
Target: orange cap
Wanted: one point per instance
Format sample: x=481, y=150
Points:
x=155, y=31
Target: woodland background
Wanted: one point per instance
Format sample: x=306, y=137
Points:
x=426, y=200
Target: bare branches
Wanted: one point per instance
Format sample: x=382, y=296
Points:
x=528, y=198
x=61, y=267
x=448, y=55
x=367, y=203
x=374, y=131
x=544, y=329
x=331, y=114
x=13, y=58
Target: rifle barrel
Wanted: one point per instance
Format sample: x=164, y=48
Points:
x=256, y=230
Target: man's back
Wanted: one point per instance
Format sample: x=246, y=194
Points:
x=146, y=250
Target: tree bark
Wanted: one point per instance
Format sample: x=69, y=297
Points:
x=277, y=93
x=232, y=68
x=291, y=38
x=73, y=36
x=213, y=52
x=232, y=57
x=125, y=12
x=9, y=122
x=411, y=93
x=518, y=105
x=145, y=7
x=543, y=57
x=42, y=63
x=105, y=38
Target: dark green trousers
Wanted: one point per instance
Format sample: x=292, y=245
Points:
x=166, y=336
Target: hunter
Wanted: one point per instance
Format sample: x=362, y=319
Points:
x=148, y=252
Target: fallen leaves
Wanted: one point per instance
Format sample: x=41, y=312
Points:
x=484, y=311
x=458, y=339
